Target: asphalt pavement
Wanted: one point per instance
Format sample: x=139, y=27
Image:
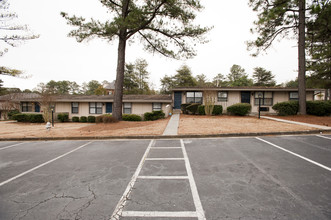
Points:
x=270, y=177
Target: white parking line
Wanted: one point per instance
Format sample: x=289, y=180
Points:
x=41, y=165
x=120, y=205
x=323, y=137
x=159, y=214
x=10, y=146
x=195, y=194
x=163, y=177
x=151, y=158
x=295, y=154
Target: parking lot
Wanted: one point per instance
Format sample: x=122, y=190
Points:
x=271, y=177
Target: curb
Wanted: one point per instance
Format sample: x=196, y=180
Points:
x=167, y=136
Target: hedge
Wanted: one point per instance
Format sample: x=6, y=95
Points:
x=32, y=118
x=12, y=113
x=106, y=118
x=75, y=119
x=63, y=117
x=183, y=107
x=240, y=109
x=154, y=115
x=193, y=108
x=286, y=108
x=83, y=119
x=91, y=119
x=131, y=117
x=218, y=110
x=318, y=108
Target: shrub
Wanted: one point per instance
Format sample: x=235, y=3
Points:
x=91, y=119
x=83, y=119
x=12, y=113
x=286, y=108
x=154, y=115
x=193, y=108
x=183, y=107
x=75, y=119
x=319, y=108
x=131, y=117
x=218, y=110
x=239, y=109
x=63, y=117
x=32, y=118
x=201, y=110
x=106, y=118
x=36, y=118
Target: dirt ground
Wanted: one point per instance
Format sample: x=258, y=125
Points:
x=233, y=124
x=188, y=125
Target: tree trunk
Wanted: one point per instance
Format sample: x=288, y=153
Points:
x=118, y=96
x=302, y=59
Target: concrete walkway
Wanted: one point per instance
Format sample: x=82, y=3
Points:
x=172, y=127
x=298, y=123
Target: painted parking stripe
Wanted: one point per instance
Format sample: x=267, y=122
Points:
x=159, y=214
x=295, y=154
x=165, y=148
x=323, y=137
x=118, y=211
x=163, y=177
x=10, y=146
x=44, y=164
x=194, y=189
x=151, y=158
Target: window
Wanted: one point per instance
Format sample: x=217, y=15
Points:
x=294, y=96
x=266, y=98
x=74, y=107
x=95, y=108
x=222, y=96
x=194, y=97
x=127, y=108
x=157, y=106
x=26, y=107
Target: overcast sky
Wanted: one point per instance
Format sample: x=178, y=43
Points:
x=54, y=56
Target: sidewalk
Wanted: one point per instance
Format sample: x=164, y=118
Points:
x=298, y=123
x=172, y=127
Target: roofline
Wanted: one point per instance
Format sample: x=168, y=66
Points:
x=239, y=89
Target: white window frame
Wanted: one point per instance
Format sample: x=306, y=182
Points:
x=157, y=106
x=76, y=108
x=95, y=107
x=127, y=108
x=221, y=98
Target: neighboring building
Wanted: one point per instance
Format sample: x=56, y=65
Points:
x=110, y=88
x=227, y=96
x=86, y=105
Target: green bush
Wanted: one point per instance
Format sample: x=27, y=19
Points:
x=183, y=107
x=319, y=108
x=91, y=119
x=218, y=110
x=131, y=117
x=286, y=108
x=63, y=117
x=201, y=110
x=75, y=119
x=193, y=108
x=106, y=118
x=32, y=118
x=239, y=109
x=83, y=119
x=12, y=113
x=154, y=115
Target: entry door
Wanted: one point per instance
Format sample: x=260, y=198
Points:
x=246, y=97
x=37, y=107
x=109, y=107
x=177, y=100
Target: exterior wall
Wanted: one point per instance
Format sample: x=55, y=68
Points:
x=83, y=109
x=234, y=97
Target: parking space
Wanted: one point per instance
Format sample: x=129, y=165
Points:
x=220, y=178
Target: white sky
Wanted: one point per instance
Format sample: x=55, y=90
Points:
x=54, y=56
